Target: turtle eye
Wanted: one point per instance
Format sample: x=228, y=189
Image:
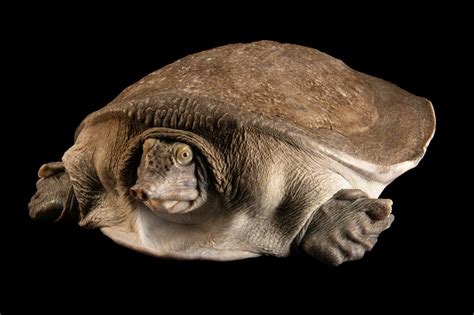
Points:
x=183, y=154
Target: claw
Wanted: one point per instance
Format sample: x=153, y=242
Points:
x=350, y=194
x=381, y=209
x=50, y=169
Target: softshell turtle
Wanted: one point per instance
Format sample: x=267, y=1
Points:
x=239, y=151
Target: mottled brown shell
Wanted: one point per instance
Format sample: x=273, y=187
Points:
x=284, y=89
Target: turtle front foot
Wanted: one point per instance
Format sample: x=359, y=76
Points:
x=54, y=199
x=346, y=226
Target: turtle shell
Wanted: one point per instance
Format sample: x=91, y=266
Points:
x=283, y=89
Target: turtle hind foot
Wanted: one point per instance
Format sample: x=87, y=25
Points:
x=346, y=226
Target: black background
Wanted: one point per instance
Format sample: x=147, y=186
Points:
x=61, y=67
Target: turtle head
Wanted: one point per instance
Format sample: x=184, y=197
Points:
x=167, y=178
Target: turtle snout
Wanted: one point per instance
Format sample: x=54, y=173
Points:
x=139, y=193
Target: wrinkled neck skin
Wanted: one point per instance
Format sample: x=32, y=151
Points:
x=208, y=232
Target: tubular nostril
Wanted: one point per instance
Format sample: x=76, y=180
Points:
x=142, y=195
x=139, y=194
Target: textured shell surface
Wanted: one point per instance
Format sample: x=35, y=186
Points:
x=288, y=89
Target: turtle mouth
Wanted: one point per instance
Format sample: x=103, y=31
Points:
x=171, y=201
x=169, y=206
x=178, y=201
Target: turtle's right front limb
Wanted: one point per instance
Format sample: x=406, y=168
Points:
x=346, y=226
x=54, y=199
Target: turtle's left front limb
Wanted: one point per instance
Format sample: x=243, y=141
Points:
x=346, y=226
